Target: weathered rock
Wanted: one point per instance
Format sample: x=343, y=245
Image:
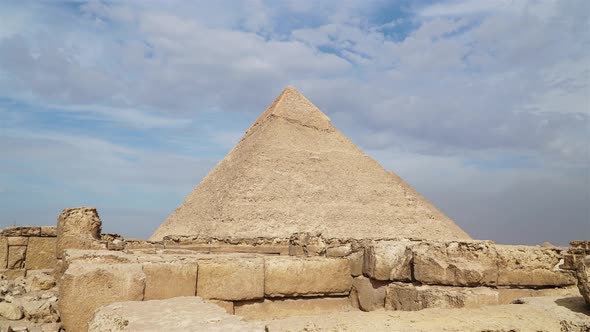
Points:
x=16, y=257
x=508, y=295
x=50, y=231
x=51, y=327
x=190, y=314
x=227, y=305
x=388, y=260
x=3, y=252
x=85, y=287
x=293, y=276
x=42, y=281
x=409, y=297
x=11, y=311
x=355, y=260
x=583, y=276
x=531, y=266
x=231, y=278
x=339, y=251
x=468, y=263
x=281, y=308
x=13, y=274
x=40, y=311
x=17, y=241
x=370, y=294
x=41, y=253
x=78, y=228
x=167, y=280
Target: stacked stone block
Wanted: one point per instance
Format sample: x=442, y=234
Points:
x=26, y=248
x=577, y=259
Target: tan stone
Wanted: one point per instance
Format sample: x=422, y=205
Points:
x=3, y=252
x=294, y=172
x=13, y=274
x=85, y=287
x=294, y=276
x=16, y=257
x=49, y=231
x=227, y=305
x=281, y=308
x=469, y=263
x=531, y=266
x=388, y=260
x=17, y=241
x=370, y=293
x=583, y=276
x=41, y=253
x=339, y=251
x=508, y=295
x=232, y=278
x=355, y=260
x=409, y=297
x=78, y=228
x=186, y=314
x=167, y=280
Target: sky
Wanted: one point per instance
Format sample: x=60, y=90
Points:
x=482, y=106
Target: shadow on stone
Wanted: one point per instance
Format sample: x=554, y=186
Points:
x=575, y=304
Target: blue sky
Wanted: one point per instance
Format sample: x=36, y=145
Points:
x=126, y=105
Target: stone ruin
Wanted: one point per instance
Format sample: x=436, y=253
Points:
x=296, y=221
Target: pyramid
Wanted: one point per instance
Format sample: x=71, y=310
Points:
x=295, y=172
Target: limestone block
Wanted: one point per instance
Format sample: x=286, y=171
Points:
x=17, y=241
x=355, y=260
x=339, y=251
x=508, y=295
x=41, y=253
x=583, y=276
x=167, y=280
x=294, y=276
x=469, y=263
x=49, y=231
x=228, y=306
x=16, y=257
x=281, y=308
x=408, y=297
x=84, y=287
x=11, y=311
x=13, y=274
x=186, y=314
x=388, y=260
x=3, y=252
x=231, y=278
x=531, y=266
x=370, y=293
x=78, y=228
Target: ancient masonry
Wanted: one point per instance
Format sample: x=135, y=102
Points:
x=295, y=220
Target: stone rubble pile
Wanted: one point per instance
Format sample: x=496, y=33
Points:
x=30, y=303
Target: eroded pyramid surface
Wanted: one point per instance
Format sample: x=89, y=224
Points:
x=294, y=172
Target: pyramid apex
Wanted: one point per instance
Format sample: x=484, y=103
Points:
x=294, y=107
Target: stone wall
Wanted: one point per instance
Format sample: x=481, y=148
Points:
x=577, y=259
x=27, y=248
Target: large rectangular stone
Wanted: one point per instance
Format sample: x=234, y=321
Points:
x=388, y=260
x=41, y=253
x=3, y=252
x=468, y=263
x=408, y=297
x=295, y=276
x=231, y=278
x=84, y=287
x=282, y=308
x=16, y=257
x=531, y=266
x=508, y=295
x=369, y=294
x=167, y=280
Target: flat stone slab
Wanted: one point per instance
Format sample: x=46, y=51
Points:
x=546, y=314
x=190, y=314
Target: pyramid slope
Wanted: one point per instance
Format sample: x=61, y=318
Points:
x=294, y=172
